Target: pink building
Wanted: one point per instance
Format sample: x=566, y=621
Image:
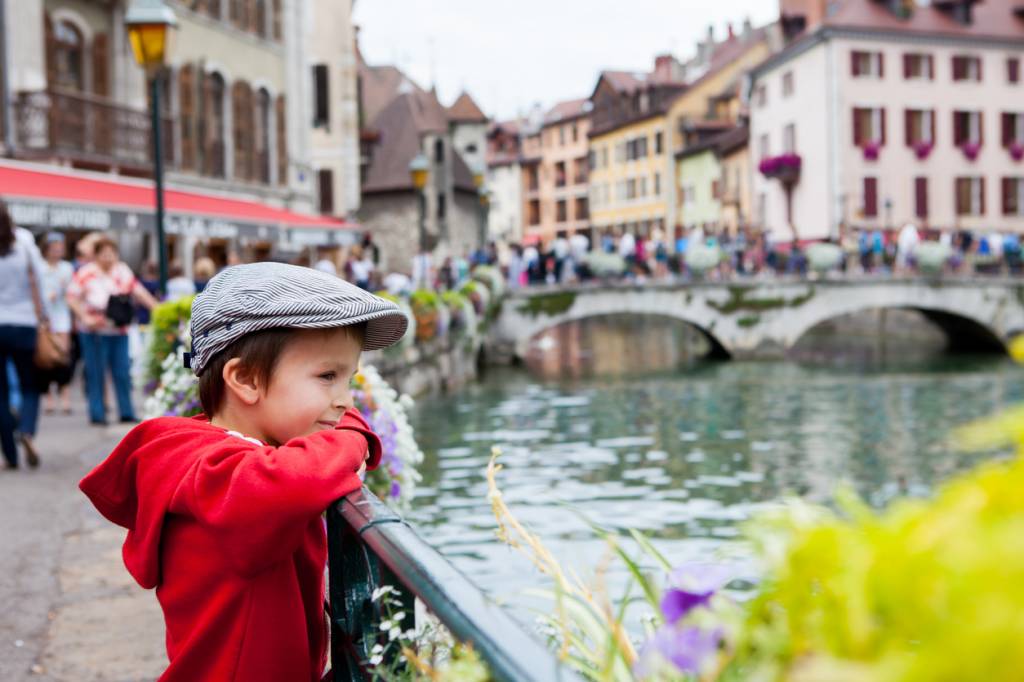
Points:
x=883, y=112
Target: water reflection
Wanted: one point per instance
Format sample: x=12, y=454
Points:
x=684, y=456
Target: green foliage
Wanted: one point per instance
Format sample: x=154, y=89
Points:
x=549, y=304
x=738, y=301
x=166, y=323
x=424, y=299
x=748, y=321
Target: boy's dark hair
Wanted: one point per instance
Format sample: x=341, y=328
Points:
x=259, y=353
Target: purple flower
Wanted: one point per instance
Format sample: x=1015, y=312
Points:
x=396, y=490
x=971, y=150
x=923, y=149
x=689, y=649
x=871, y=150
x=690, y=586
x=1016, y=151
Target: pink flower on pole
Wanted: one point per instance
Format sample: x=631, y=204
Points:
x=971, y=150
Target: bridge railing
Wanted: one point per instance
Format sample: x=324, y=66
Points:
x=370, y=546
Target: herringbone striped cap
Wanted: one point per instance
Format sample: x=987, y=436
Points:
x=248, y=298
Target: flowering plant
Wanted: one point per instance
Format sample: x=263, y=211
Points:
x=923, y=149
x=780, y=166
x=700, y=258
x=1016, y=151
x=824, y=256
x=971, y=150
x=871, y=150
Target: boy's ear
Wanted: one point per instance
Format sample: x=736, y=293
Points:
x=241, y=382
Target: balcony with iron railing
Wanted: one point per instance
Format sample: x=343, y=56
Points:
x=86, y=129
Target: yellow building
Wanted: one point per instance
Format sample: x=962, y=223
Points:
x=710, y=105
x=629, y=149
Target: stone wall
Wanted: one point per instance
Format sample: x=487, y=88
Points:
x=438, y=366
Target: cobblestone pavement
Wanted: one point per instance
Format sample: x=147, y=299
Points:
x=70, y=610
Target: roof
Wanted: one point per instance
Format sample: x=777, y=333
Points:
x=568, y=110
x=379, y=85
x=732, y=140
x=465, y=110
x=624, y=81
x=401, y=126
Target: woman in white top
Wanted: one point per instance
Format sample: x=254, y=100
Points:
x=54, y=279
x=19, y=324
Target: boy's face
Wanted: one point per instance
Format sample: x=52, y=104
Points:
x=311, y=384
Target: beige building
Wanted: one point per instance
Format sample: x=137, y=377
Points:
x=555, y=171
x=236, y=103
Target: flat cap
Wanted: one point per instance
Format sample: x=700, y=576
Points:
x=248, y=298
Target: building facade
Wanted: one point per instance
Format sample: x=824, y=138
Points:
x=555, y=172
x=504, y=180
x=878, y=114
x=235, y=110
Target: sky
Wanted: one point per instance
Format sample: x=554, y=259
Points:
x=510, y=55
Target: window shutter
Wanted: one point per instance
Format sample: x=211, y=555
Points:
x=981, y=128
x=908, y=127
x=870, y=197
x=921, y=197
x=277, y=20
x=241, y=96
x=1013, y=69
x=958, y=68
x=187, y=113
x=1008, y=187
x=100, y=70
x=931, y=67
x=325, y=183
x=907, y=60
x=858, y=133
x=1006, y=135
x=980, y=63
x=881, y=121
x=854, y=63
x=881, y=64
x=282, y=140
x=959, y=132
x=981, y=193
x=51, y=51
x=958, y=191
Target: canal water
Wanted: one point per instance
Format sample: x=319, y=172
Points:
x=686, y=454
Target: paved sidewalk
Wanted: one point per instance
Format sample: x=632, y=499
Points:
x=70, y=610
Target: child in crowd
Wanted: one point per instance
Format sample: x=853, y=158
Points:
x=223, y=511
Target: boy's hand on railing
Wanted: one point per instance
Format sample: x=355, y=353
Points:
x=352, y=420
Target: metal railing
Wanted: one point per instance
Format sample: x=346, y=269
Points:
x=370, y=546
x=87, y=128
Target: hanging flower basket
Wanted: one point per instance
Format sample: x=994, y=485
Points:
x=971, y=150
x=1016, y=151
x=923, y=149
x=871, y=151
x=785, y=167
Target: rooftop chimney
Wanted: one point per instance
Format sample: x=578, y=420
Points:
x=747, y=28
x=729, y=31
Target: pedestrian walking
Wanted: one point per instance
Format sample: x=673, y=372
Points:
x=21, y=310
x=239, y=493
x=54, y=279
x=100, y=295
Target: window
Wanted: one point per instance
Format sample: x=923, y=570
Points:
x=1012, y=129
x=921, y=197
x=592, y=159
x=787, y=84
x=575, y=133
x=532, y=181
x=631, y=188
x=579, y=171
x=243, y=113
x=918, y=66
x=1013, y=196
x=762, y=147
x=1013, y=70
x=325, y=186
x=262, y=137
x=321, y=97
x=642, y=190
x=870, y=197
x=789, y=139
x=276, y=19
x=439, y=151
x=657, y=184
x=533, y=212
x=259, y=17
x=761, y=96
x=67, y=48
x=560, y=174
x=604, y=157
x=868, y=126
x=867, y=64
x=659, y=143
x=970, y=196
x=919, y=126
x=716, y=189
x=966, y=68
x=213, y=116
x=442, y=206
x=281, y=122
x=561, y=135
x=187, y=115
x=581, y=209
x=561, y=211
x=967, y=128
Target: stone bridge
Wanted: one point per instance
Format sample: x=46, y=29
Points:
x=764, y=319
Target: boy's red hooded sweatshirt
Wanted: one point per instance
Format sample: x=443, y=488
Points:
x=229, y=533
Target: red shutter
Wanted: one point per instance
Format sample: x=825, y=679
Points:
x=187, y=115
x=908, y=127
x=870, y=197
x=981, y=128
x=981, y=181
x=958, y=68
x=881, y=65
x=282, y=141
x=854, y=63
x=858, y=134
x=907, y=59
x=931, y=67
x=1013, y=69
x=958, y=191
x=881, y=120
x=1007, y=190
x=959, y=128
x=980, y=65
x=1006, y=136
x=921, y=197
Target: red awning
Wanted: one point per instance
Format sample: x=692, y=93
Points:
x=34, y=182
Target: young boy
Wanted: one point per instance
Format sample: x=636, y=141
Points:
x=223, y=510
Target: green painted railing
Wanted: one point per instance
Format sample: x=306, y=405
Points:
x=370, y=546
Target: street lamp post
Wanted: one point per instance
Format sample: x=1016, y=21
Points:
x=149, y=24
x=479, y=175
x=419, y=169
